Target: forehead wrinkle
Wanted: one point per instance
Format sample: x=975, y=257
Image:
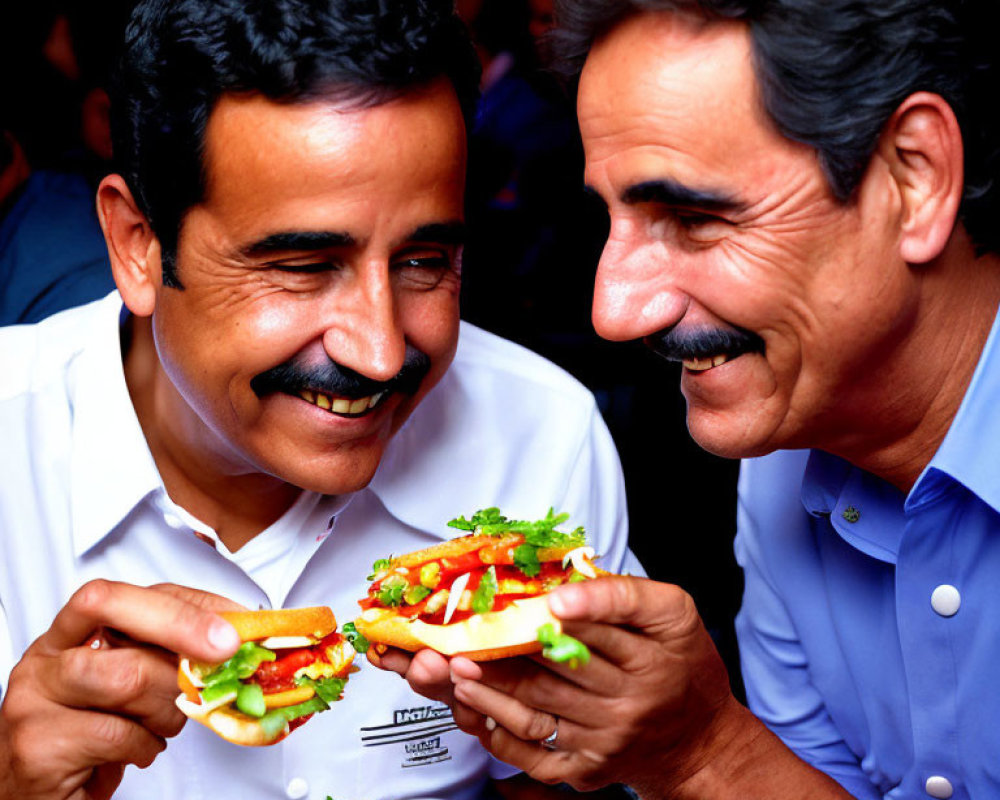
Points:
x=657, y=81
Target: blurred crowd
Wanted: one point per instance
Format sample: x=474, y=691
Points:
x=535, y=238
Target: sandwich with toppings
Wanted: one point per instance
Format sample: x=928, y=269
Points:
x=291, y=665
x=481, y=595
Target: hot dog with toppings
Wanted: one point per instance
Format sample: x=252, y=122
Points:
x=481, y=595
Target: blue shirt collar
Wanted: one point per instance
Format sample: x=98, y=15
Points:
x=870, y=514
x=968, y=453
x=865, y=511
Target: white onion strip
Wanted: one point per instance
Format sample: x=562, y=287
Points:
x=581, y=561
x=454, y=595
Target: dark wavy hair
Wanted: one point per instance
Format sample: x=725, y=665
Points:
x=832, y=72
x=181, y=56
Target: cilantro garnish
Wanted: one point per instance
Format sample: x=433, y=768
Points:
x=562, y=648
x=526, y=560
x=482, y=519
x=537, y=534
x=540, y=533
x=482, y=598
x=357, y=640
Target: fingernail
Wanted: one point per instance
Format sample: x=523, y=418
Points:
x=491, y=724
x=223, y=636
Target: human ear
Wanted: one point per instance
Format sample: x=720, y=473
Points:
x=922, y=144
x=133, y=248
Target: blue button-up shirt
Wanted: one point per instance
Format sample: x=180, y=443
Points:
x=843, y=654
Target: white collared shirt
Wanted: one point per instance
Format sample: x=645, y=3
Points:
x=80, y=498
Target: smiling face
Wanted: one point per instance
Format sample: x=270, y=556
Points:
x=327, y=233
x=786, y=306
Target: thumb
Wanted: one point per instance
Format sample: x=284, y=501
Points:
x=639, y=603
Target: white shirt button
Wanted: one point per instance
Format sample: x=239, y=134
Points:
x=946, y=600
x=297, y=788
x=939, y=787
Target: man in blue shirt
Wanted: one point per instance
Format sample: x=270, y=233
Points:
x=802, y=201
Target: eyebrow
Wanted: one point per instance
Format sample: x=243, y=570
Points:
x=454, y=232
x=448, y=233
x=297, y=241
x=672, y=193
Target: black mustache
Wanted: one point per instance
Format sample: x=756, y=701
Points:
x=331, y=378
x=677, y=345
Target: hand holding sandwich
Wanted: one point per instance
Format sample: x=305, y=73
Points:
x=96, y=691
x=652, y=708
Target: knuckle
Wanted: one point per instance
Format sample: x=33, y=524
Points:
x=111, y=733
x=468, y=721
x=591, y=771
x=128, y=678
x=17, y=704
x=687, y=616
x=172, y=724
x=75, y=666
x=645, y=660
x=92, y=596
x=538, y=726
x=556, y=769
x=625, y=593
x=147, y=754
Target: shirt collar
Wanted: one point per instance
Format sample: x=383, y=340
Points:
x=865, y=511
x=870, y=513
x=112, y=468
x=968, y=453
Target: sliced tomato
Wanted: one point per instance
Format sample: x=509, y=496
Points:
x=452, y=567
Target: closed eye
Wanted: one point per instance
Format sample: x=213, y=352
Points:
x=423, y=269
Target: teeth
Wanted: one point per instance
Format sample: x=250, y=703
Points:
x=698, y=364
x=702, y=364
x=341, y=405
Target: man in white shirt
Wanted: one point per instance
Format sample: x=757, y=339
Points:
x=285, y=234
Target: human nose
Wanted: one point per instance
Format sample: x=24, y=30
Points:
x=635, y=291
x=364, y=332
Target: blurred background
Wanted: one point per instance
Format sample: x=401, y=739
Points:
x=535, y=238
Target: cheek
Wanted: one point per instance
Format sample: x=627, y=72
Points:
x=765, y=285
x=430, y=323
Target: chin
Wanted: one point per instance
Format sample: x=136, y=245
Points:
x=723, y=436
x=333, y=476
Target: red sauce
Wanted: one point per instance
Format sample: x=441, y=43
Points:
x=279, y=675
x=550, y=572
